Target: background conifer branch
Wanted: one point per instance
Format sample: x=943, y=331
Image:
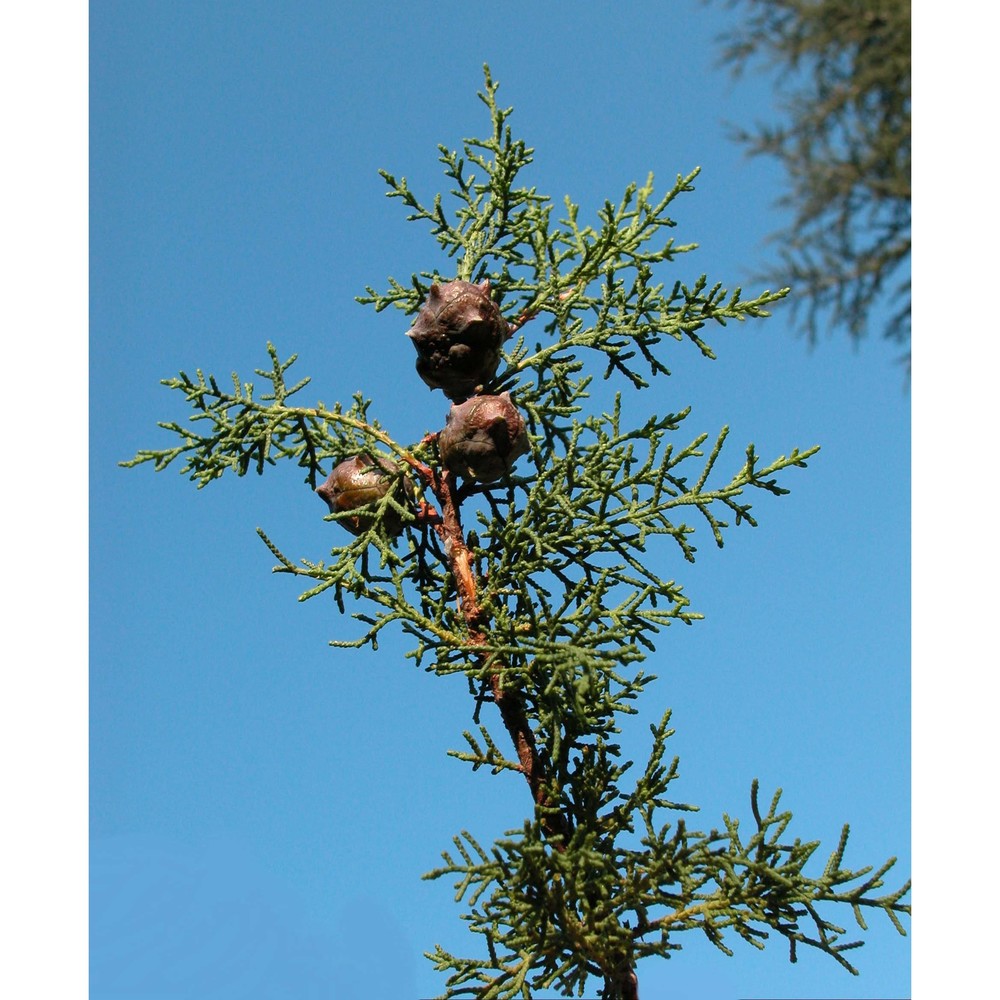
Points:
x=843, y=138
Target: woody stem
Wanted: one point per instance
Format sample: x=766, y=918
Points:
x=507, y=699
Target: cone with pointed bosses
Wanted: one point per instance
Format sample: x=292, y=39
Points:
x=458, y=334
x=361, y=481
x=483, y=437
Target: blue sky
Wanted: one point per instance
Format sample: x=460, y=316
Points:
x=262, y=806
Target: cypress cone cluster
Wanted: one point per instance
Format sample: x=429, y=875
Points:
x=458, y=335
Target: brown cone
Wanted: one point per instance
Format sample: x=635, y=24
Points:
x=458, y=334
x=360, y=481
x=483, y=437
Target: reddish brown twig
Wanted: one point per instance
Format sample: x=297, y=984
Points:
x=507, y=699
x=526, y=316
x=427, y=514
x=621, y=982
x=530, y=314
x=624, y=983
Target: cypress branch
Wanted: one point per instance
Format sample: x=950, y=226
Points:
x=542, y=585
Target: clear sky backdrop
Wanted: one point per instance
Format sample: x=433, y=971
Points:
x=262, y=806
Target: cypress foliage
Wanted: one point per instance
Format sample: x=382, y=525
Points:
x=538, y=586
